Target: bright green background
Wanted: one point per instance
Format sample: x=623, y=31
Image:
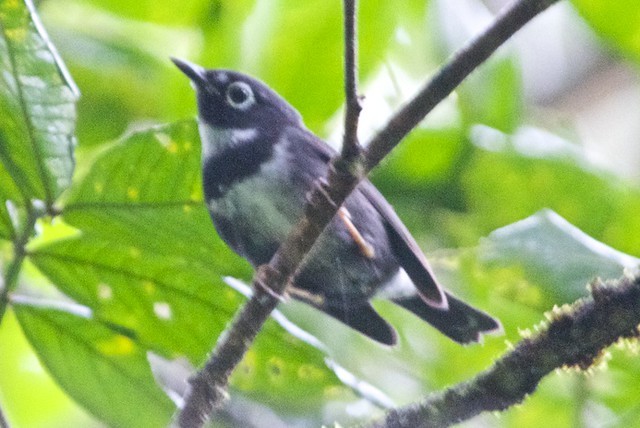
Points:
x=125, y=262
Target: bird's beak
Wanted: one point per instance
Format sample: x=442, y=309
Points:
x=193, y=71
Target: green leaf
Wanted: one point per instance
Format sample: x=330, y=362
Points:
x=510, y=176
x=22, y=375
x=224, y=45
x=425, y=158
x=493, y=95
x=554, y=254
x=37, y=108
x=9, y=194
x=145, y=257
x=104, y=370
x=618, y=22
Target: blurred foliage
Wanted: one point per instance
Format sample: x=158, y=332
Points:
x=618, y=22
x=124, y=263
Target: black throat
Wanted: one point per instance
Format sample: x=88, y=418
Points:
x=235, y=163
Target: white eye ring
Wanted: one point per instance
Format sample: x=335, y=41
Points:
x=240, y=95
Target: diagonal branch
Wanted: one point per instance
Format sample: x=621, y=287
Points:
x=575, y=336
x=209, y=386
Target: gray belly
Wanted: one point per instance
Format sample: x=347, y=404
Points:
x=256, y=215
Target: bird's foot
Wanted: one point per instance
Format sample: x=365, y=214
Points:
x=306, y=296
x=265, y=275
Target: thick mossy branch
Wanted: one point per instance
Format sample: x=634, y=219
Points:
x=574, y=336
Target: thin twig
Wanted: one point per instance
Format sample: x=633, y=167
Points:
x=208, y=387
x=350, y=147
x=574, y=337
x=10, y=280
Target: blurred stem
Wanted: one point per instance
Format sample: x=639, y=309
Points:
x=581, y=396
x=10, y=279
x=3, y=421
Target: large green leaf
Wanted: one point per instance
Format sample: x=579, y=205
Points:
x=144, y=255
x=554, y=254
x=101, y=367
x=37, y=110
x=8, y=193
x=22, y=375
x=618, y=22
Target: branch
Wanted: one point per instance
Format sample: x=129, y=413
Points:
x=208, y=387
x=574, y=337
x=350, y=147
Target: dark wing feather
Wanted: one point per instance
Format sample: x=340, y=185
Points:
x=405, y=247
x=461, y=322
x=366, y=320
x=450, y=315
x=407, y=250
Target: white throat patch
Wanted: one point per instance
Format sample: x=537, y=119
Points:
x=215, y=139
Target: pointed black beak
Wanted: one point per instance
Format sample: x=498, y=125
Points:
x=193, y=71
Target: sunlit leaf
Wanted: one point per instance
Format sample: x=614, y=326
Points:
x=618, y=22
x=37, y=109
x=100, y=367
x=22, y=375
x=554, y=254
x=9, y=194
x=224, y=42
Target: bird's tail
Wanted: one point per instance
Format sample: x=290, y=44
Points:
x=460, y=322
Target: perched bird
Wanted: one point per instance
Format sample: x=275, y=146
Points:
x=259, y=162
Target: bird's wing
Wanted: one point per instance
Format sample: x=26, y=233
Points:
x=406, y=249
x=366, y=320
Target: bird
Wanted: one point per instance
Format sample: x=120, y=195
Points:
x=259, y=161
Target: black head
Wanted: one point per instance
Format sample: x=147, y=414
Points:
x=232, y=100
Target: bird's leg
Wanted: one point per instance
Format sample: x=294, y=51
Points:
x=265, y=275
x=365, y=248
x=306, y=296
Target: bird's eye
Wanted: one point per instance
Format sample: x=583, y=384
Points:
x=240, y=95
